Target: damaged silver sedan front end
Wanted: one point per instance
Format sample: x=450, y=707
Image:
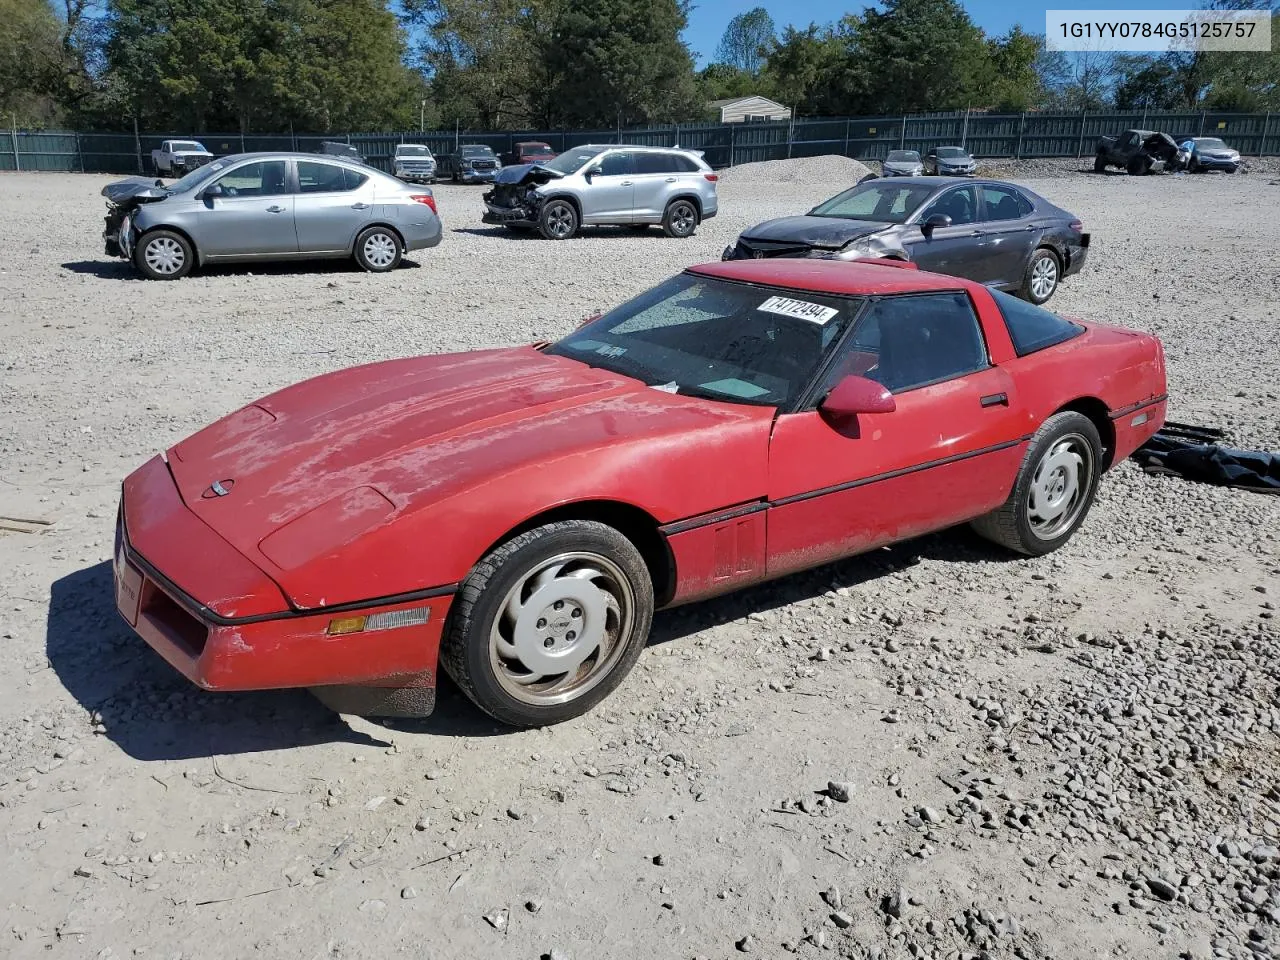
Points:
x=123, y=198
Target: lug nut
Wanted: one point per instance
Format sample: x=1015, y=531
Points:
x=577, y=612
x=548, y=643
x=542, y=622
x=571, y=634
x=557, y=605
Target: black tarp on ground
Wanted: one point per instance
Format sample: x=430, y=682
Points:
x=1194, y=454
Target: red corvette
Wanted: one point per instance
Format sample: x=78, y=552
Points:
x=519, y=514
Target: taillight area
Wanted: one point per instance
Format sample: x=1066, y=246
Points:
x=428, y=199
x=713, y=177
x=1077, y=226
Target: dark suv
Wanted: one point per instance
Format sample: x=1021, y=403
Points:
x=470, y=163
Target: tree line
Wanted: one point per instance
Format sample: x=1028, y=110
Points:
x=326, y=65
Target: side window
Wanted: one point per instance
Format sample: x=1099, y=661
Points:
x=910, y=341
x=960, y=205
x=353, y=180
x=618, y=164
x=1033, y=328
x=320, y=177
x=685, y=164
x=1004, y=203
x=655, y=163
x=264, y=178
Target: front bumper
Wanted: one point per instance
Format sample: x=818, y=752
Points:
x=417, y=176
x=956, y=171
x=1218, y=163
x=505, y=216
x=170, y=569
x=478, y=176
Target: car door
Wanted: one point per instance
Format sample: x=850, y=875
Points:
x=949, y=452
x=656, y=177
x=253, y=215
x=332, y=203
x=1009, y=234
x=957, y=249
x=608, y=197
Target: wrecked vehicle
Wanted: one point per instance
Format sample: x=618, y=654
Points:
x=517, y=515
x=993, y=232
x=1137, y=151
x=606, y=185
x=268, y=206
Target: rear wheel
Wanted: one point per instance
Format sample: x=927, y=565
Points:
x=1054, y=490
x=1139, y=166
x=1041, y=278
x=1099, y=164
x=549, y=623
x=558, y=220
x=680, y=220
x=164, y=255
x=378, y=250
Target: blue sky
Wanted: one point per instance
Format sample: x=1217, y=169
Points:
x=709, y=17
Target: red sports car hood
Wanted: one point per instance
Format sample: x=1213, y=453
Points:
x=293, y=478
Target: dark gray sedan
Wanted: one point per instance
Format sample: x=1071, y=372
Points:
x=985, y=230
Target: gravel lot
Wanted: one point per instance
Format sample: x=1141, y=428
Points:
x=1070, y=757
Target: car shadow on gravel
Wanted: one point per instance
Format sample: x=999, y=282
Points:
x=121, y=270
x=959, y=545
x=149, y=710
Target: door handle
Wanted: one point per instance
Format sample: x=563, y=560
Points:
x=995, y=400
x=360, y=206
x=976, y=233
x=275, y=209
x=626, y=183
x=671, y=179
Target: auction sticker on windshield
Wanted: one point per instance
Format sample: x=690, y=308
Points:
x=800, y=309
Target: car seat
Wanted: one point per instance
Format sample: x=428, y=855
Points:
x=272, y=178
x=1007, y=209
x=958, y=207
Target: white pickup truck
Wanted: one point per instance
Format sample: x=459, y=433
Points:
x=175, y=158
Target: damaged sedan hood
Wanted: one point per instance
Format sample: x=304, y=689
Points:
x=829, y=233
x=138, y=189
x=526, y=173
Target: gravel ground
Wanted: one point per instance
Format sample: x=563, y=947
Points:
x=932, y=751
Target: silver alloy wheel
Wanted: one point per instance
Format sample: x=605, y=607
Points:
x=1061, y=486
x=1044, y=277
x=560, y=221
x=165, y=255
x=562, y=628
x=380, y=250
x=684, y=218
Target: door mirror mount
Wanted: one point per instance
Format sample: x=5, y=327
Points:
x=855, y=395
x=592, y=172
x=933, y=222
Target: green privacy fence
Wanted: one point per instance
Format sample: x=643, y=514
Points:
x=724, y=144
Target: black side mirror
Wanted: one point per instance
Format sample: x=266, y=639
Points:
x=934, y=222
x=215, y=190
x=592, y=172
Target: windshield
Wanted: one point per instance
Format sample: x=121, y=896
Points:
x=952, y=153
x=1213, y=143
x=536, y=148
x=403, y=151
x=903, y=156
x=882, y=201
x=197, y=176
x=188, y=145
x=571, y=161
x=477, y=151
x=700, y=337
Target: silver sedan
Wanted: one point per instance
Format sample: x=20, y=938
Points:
x=268, y=206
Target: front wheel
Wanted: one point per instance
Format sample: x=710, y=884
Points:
x=1041, y=278
x=378, y=250
x=558, y=220
x=549, y=623
x=680, y=220
x=1099, y=164
x=164, y=255
x=1054, y=489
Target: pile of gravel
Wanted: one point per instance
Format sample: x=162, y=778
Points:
x=827, y=169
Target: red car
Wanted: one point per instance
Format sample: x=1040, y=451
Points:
x=519, y=514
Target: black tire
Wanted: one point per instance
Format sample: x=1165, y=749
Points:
x=470, y=657
x=378, y=249
x=558, y=220
x=1011, y=525
x=1138, y=166
x=680, y=219
x=164, y=255
x=1043, y=265
x=1099, y=164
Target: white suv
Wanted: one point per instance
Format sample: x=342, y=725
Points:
x=605, y=185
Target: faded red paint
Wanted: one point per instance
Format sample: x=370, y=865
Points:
x=398, y=477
